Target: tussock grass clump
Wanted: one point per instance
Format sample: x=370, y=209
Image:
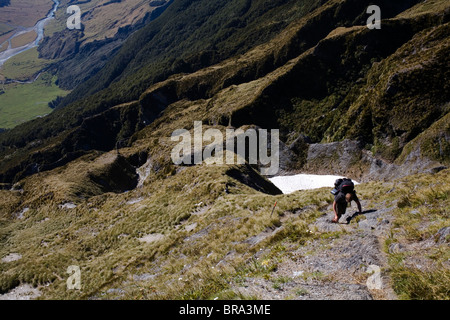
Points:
x=416, y=284
x=420, y=271
x=102, y=234
x=417, y=254
x=231, y=236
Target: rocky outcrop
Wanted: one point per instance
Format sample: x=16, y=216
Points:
x=349, y=158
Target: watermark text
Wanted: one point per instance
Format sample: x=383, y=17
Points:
x=253, y=145
x=74, y=21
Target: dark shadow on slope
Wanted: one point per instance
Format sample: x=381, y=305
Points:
x=351, y=217
x=250, y=177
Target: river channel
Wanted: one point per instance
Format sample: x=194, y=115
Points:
x=38, y=28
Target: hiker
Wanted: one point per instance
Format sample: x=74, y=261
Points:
x=344, y=193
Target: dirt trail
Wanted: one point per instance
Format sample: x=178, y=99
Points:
x=333, y=267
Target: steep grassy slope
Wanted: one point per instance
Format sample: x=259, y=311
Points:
x=191, y=35
x=142, y=227
x=330, y=97
x=184, y=237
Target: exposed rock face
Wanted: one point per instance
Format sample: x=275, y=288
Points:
x=348, y=158
x=335, y=157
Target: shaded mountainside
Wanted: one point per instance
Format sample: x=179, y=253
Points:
x=312, y=79
x=93, y=184
x=68, y=118
x=191, y=35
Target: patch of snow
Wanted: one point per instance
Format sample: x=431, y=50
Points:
x=191, y=227
x=152, y=237
x=289, y=184
x=134, y=201
x=20, y=215
x=144, y=172
x=298, y=273
x=12, y=257
x=22, y=292
x=68, y=205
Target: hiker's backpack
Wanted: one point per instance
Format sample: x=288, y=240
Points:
x=344, y=185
